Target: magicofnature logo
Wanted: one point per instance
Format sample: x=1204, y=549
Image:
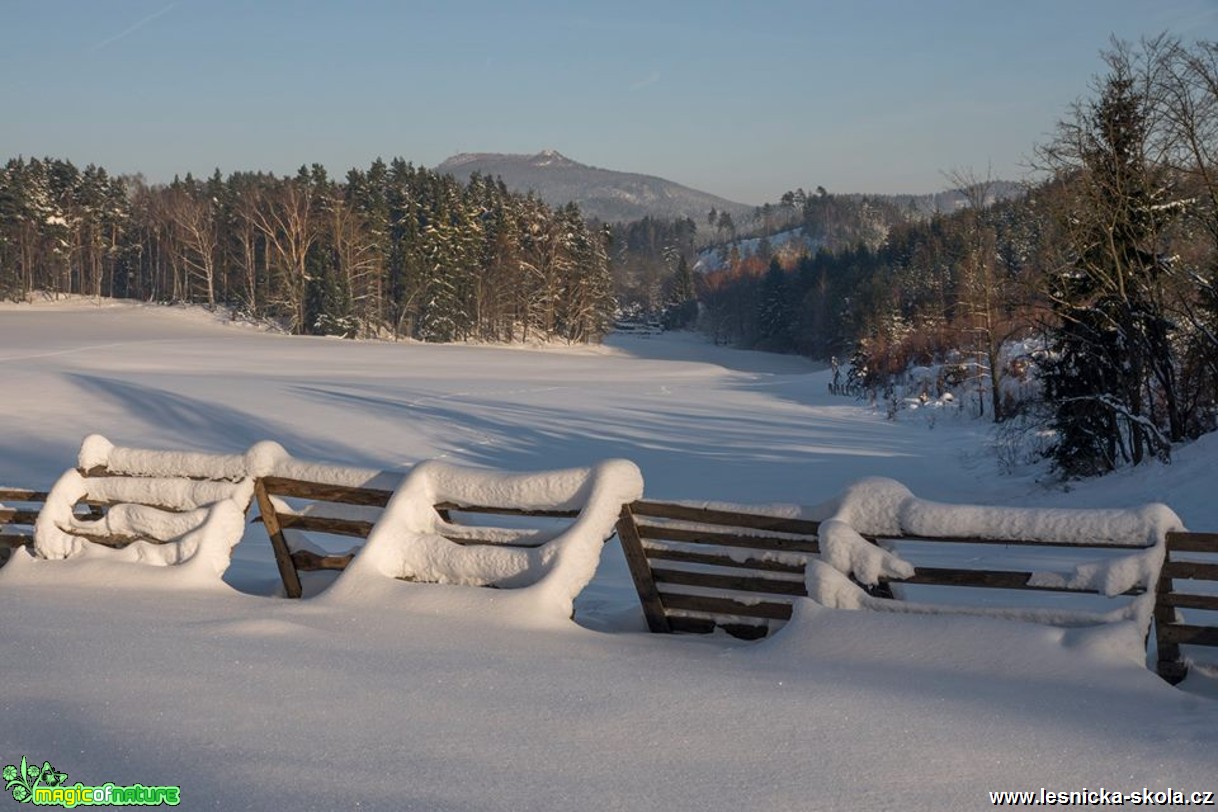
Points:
x=46, y=786
x=22, y=779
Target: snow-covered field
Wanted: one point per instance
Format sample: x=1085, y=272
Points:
x=456, y=702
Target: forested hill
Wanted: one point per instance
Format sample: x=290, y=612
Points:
x=1099, y=289
x=390, y=250
x=602, y=194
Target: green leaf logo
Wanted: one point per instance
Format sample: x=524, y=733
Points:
x=22, y=779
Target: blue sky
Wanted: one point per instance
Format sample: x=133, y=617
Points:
x=742, y=99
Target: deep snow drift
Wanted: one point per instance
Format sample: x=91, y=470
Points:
x=442, y=697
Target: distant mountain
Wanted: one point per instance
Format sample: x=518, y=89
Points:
x=601, y=193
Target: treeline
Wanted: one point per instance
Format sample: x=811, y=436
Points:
x=650, y=265
x=1110, y=263
x=391, y=250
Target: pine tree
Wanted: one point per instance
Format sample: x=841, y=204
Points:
x=776, y=313
x=1111, y=355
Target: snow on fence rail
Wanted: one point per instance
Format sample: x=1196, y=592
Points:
x=742, y=569
x=545, y=568
x=152, y=507
x=349, y=511
x=413, y=533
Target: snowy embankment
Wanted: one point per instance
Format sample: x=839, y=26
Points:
x=244, y=698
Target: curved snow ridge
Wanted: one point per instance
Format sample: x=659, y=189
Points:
x=885, y=508
x=1143, y=526
x=260, y=460
x=870, y=506
x=265, y=458
x=842, y=548
x=173, y=521
x=168, y=508
x=831, y=588
x=184, y=510
x=406, y=544
x=324, y=473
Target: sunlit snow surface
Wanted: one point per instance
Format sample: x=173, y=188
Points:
x=438, y=697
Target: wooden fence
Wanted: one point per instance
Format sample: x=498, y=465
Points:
x=699, y=569
x=740, y=571
x=1191, y=557
x=309, y=515
x=17, y=524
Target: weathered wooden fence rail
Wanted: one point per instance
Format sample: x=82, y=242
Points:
x=755, y=565
x=748, y=566
x=17, y=524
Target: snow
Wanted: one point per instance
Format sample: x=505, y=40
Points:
x=392, y=695
x=1138, y=527
x=191, y=524
x=262, y=459
x=543, y=581
x=792, y=241
x=885, y=508
x=842, y=547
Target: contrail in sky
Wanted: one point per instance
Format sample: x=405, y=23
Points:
x=136, y=26
x=650, y=80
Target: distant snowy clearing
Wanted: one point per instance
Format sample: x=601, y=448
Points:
x=435, y=697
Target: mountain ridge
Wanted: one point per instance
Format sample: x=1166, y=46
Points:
x=604, y=194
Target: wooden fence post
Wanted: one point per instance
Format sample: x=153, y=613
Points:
x=640, y=571
x=283, y=555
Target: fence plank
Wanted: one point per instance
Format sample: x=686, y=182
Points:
x=770, y=543
x=640, y=572
x=1170, y=665
x=311, y=562
x=705, y=625
x=1189, y=542
x=344, y=494
x=1181, y=633
x=11, y=516
x=1189, y=601
x=754, y=521
x=324, y=524
x=15, y=539
x=989, y=579
x=106, y=539
x=1090, y=545
x=453, y=507
x=725, y=606
x=739, y=583
x=1191, y=570
x=720, y=560
x=22, y=495
x=283, y=555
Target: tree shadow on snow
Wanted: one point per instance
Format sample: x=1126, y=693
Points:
x=683, y=450
x=183, y=422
